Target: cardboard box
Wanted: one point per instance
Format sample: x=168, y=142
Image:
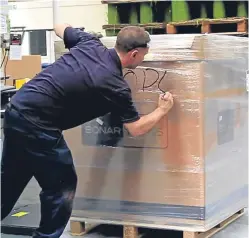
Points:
x=28, y=67
x=190, y=172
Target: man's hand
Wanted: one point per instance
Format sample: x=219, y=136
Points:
x=165, y=102
x=147, y=122
x=60, y=28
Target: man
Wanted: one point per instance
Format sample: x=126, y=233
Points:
x=83, y=84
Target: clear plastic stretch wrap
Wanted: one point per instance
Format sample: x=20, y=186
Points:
x=190, y=171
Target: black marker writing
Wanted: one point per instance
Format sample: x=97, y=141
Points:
x=145, y=71
x=145, y=78
x=165, y=72
x=133, y=73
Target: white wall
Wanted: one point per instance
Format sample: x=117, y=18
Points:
x=38, y=14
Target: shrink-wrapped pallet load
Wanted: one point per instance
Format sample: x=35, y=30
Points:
x=188, y=173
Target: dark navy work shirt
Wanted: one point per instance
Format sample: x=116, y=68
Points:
x=85, y=83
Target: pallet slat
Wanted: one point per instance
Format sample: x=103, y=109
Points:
x=206, y=24
x=221, y=226
x=146, y=26
x=211, y=21
x=80, y=228
x=130, y=231
x=232, y=33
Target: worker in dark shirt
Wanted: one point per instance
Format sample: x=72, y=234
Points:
x=83, y=84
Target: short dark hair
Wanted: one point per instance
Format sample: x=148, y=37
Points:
x=132, y=37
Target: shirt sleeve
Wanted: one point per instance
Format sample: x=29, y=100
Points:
x=126, y=109
x=123, y=106
x=74, y=36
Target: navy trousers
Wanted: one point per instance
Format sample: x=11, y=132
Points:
x=33, y=151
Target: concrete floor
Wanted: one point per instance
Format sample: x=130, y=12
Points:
x=238, y=229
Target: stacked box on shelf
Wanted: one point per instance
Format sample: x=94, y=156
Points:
x=149, y=12
x=190, y=171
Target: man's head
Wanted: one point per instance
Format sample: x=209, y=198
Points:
x=132, y=46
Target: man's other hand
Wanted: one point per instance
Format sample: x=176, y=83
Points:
x=165, y=102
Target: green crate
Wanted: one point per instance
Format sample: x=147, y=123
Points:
x=175, y=10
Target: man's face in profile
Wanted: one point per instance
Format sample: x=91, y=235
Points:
x=136, y=57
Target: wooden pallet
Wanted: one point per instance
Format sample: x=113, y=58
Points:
x=146, y=26
x=129, y=231
x=206, y=25
x=80, y=228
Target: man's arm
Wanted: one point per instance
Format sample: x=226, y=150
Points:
x=147, y=122
x=72, y=36
x=124, y=108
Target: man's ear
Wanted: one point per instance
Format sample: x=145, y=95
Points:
x=134, y=53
